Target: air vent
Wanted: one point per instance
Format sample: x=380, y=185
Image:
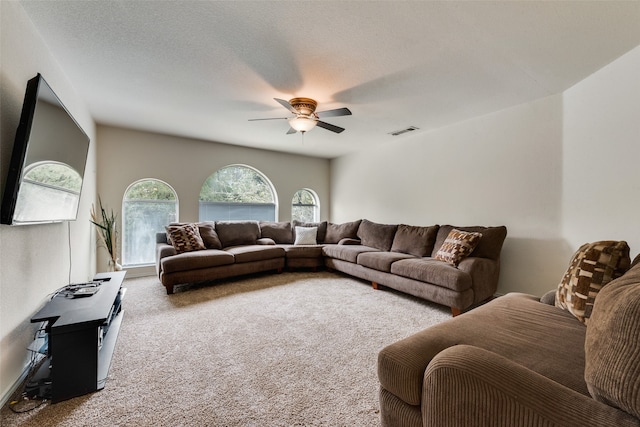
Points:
x=401, y=131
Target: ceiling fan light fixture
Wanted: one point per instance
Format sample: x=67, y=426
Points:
x=302, y=124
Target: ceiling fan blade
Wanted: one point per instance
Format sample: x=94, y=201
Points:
x=286, y=105
x=334, y=113
x=291, y=131
x=330, y=127
x=271, y=118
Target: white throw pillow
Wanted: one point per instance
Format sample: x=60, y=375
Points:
x=306, y=235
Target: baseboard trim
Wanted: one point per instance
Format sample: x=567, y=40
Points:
x=25, y=373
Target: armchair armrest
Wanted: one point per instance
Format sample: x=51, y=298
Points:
x=469, y=386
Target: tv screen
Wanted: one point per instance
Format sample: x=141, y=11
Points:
x=48, y=161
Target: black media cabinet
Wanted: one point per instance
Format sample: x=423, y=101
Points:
x=81, y=324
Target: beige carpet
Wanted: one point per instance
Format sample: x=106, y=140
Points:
x=294, y=349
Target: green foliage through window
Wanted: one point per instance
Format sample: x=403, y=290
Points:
x=236, y=184
x=304, y=206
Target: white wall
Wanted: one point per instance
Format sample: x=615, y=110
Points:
x=36, y=259
x=601, y=158
x=504, y=168
x=558, y=172
x=126, y=156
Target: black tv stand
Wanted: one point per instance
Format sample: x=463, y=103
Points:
x=81, y=324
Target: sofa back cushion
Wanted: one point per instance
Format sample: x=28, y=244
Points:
x=417, y=241
x=490, y=244
x=337, y=232
x=321, y=226
x=280, y=232
x=209, y=235
x=612, y=344
x=593, y=266
x=378, y=236
x=234, y=233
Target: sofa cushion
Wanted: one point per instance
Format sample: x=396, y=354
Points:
x=303, y=251
x=196, y=260
x=346, y=252
x=251, y=253
x=306, y=236
x=457, y=246
x=414, y=240
x=374, y=235
x=321, y=226
x=280, y=232
x=490, y=245
x=592, y=267
x=612, y=344
x=515, y=326
x=209, y=235
x=234, y=233
x=337, y=232
x=434, y=272
x=380, y=261
x=185, y=237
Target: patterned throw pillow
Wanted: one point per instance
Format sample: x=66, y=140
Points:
x=592, y=266
x=457, y=246
x=306, y=235
x=185, y=237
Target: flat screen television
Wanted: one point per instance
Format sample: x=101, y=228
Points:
x=47, y=163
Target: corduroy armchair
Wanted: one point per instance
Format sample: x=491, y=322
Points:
x=519, y=362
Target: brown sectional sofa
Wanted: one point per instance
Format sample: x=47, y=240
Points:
x=520, y=361
x=396, y=256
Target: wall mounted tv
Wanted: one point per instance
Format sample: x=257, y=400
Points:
x=48, y=161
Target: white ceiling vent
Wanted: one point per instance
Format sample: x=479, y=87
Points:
x=401, y=131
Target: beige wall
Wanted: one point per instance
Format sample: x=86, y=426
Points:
x=126, y=156
x=504, y=168
x=601, y=158
x=558, y=172
x=35, y=260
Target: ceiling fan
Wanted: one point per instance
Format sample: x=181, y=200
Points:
x=306, y=117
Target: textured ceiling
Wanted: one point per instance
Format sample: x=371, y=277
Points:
x=201, y=69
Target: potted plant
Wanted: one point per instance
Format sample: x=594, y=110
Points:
x=107, y=225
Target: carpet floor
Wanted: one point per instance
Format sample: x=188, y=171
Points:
x=291, y=349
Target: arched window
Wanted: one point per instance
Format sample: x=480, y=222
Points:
x=237, y=192
x=305, y=206
x=147, y=207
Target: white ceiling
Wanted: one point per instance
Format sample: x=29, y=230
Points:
x=201, y=69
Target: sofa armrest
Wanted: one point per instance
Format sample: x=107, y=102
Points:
x=349, y=241
x=163, y=250
x=469, y=386
x=265, y=241
x=484, y=274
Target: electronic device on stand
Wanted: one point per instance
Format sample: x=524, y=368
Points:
x=81, y=323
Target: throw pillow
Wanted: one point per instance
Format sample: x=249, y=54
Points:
x=592, y=266
x=611, y=344
x=457, y=246
x=490, y=245
x=306, y=235
x=322, y=228
x=185, y=238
